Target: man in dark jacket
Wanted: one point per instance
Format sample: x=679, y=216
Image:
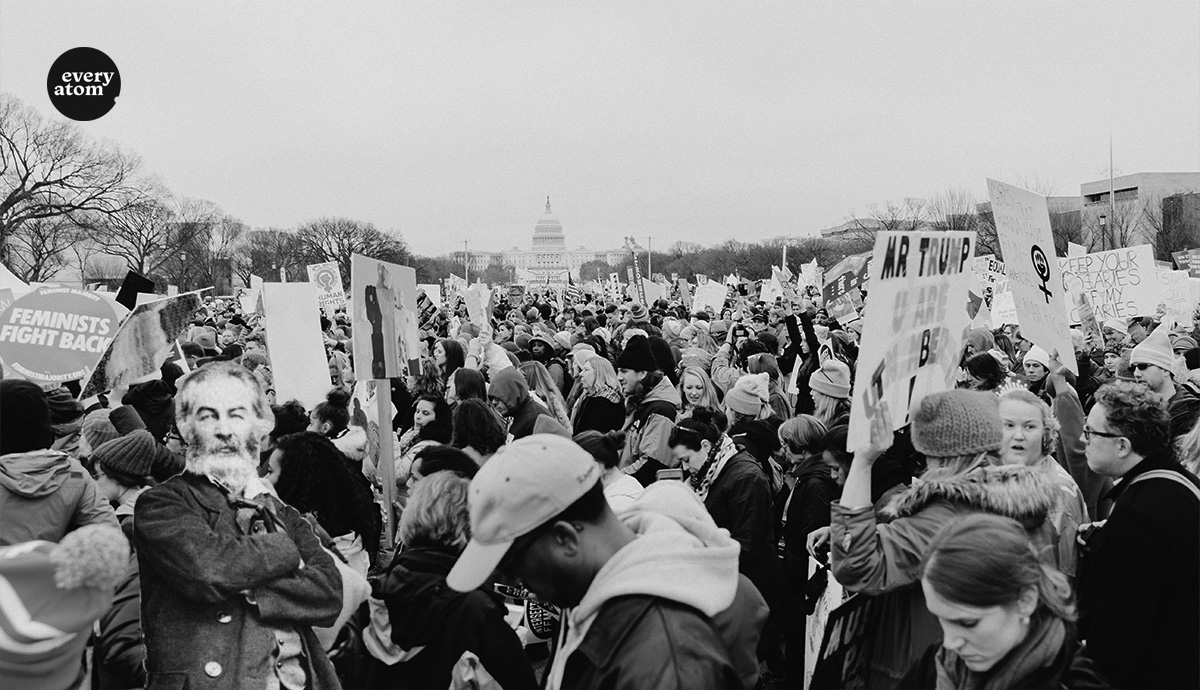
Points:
x=509, y=394
x=655, y=404
x=232, y=579
x=44, y=493
x=538, y=513
x=1137, y=588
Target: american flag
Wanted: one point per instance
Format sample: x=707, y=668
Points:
x=572, y=294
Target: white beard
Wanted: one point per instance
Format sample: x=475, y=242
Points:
x=232, y=471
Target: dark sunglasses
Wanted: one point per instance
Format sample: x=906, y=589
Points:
x=1141, y=366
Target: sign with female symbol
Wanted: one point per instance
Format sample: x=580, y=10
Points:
x=328, y=279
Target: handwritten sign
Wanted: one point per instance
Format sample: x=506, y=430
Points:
x=710, y=297
x=1175, y=292
x=914, y=324
x=845, y=660
x=1121, y=283
x=1034, y=276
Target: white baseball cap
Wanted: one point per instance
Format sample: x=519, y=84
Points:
x=525, y=484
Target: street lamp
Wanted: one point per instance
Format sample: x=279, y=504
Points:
x=1104, y=232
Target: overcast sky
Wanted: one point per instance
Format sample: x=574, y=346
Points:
x=681, y=121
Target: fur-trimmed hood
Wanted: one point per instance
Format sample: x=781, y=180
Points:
x=1015, y=491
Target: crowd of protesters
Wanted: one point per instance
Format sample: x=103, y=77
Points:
x=672, y=488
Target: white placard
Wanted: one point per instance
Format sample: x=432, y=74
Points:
x=1034, y=276
x=710, y=297
x=914, y=324
x=384, y=312
x=1121, y=283
x=293, y=326
x=328, y=279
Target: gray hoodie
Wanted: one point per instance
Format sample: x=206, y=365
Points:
x=46, y=493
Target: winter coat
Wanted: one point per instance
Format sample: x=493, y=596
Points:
x=739, y=500
x=1138, y=593
x=806, y=508
x=596, y=413
x=424, y=627
x=647, y=432
x=724, y=373
x=885, y=559
x=1070, y=450
x=509, y=386
x=1184, y=408
x=642, y=625
x=118, y=660
x=155, y=405
x=44, y=494
x=217, y=586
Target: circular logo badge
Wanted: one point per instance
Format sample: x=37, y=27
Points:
x=83, y=84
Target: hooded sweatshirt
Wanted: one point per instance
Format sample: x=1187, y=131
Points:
x=510, y=387
x=674, y=535
x=44, y=494
x=154, y=404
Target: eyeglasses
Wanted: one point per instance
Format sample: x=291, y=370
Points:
x=1141, y=366
x=1089, y=433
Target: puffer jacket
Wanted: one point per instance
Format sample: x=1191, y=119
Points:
x=422, y=627
x=647, y=431
x=885, y=559
x=44, y=494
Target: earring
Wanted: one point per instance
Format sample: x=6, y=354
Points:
x=1024, y=620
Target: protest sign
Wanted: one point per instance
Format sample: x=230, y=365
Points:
x=710, y=297
x=133, y=285
x=11, y=282
x=1034, y=276
x=1175, y=292
x=1075, y=249
x=1194, y=263
x=652, y=292
x=685, y=293
x=846, y=275
x=479, y=304
x=433, y=292
x=1120, y=283
x=914, y=325
x=6, y=298
x=1181, y=260
x=293, y=326
x=55, y=334
x=845, y=659
x=328, y=279
x=384, y=301
x=816, y=622
x=252, y=298
x=1004, y=309
x=144, y=341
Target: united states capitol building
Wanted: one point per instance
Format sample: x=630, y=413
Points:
x=547, y=259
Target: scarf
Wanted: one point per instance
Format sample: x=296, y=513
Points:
x=607, y=392
x=1041, y=646
x=715, y=464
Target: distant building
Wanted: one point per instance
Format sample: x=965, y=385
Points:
x=548, y=258
x=1135, y=210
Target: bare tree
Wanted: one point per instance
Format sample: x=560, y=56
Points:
x=145, y=234
x=337, y=239
x=894, y=216
x=273, y=249
x=1174, y=223
x=39, y=247
x=51, y=170
x=1120, y=226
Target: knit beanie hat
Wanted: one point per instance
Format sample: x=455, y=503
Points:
x=125, y=419
x=24, y=417
x=97, y=428
x=1156, y=350
x=132, y=455
x=637, y=355
x=1183, y=343
x=957, y=422
x=64, y=408
x=562, y=340
x=522, y=340
x=638, y=312
x=1037, y=354
x=749, y=394
x=832, y=379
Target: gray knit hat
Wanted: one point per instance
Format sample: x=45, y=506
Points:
x=956, y=422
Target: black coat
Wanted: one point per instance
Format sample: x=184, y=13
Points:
x=1138, y=590
x=807, y=511
x=642, y=641
x=598, y=414
x=425, y=612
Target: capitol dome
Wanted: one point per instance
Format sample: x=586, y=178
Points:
x=548, y=233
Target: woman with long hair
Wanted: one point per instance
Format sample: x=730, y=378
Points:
x=479, y=431
x=309, y=474
x=432, y=423
x=466, y=384
x=449, y=355
x=696, y=389
x=737, y=493
x=1189, y=449
x=540, y=383
x=599, y=407
x=767, y=364
x=830, y=387
x=1007, y=619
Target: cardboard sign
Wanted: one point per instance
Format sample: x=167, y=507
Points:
x=845, y=660
x=134, y=285
x=384, y=305
x=328, y=279
x=1075, y=249
x=479, y=304
x=846, y=275
x=1194, y=263
x=914, y=325
x=145, y=340
x=818, y=621
x=1034, y=275
x=1175, y=292
x=293, y=326
x=710, y=297
x=685, y=293
x=1121, y=283
x=55, y=334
